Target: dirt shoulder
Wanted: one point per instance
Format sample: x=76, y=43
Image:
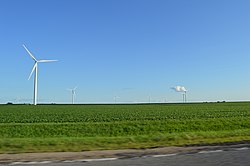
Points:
x=128, y=153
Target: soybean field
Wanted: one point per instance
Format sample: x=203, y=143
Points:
x=44, y=128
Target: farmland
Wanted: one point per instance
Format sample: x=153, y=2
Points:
x=28, y=128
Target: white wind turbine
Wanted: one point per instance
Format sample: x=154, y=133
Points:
x=73, y=92
x=115, y=98
x=36, y=72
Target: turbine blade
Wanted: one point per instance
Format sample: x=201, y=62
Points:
x=34, y=67
x=47, y=60
x=75, y=88
x=29, y=53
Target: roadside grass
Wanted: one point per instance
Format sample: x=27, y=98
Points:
x=76, y=144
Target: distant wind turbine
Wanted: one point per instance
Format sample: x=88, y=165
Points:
x=73, y=92
x=164, y=99
x=36, y=72
x=115, y=98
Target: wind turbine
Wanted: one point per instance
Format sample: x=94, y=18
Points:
x=73, y=92
x=185, y=95
x=36, y=72
x=115, y=98
x=164, y=100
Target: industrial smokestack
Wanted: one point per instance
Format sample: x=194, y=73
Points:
x=183, y=90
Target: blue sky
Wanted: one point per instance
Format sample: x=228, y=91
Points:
x=128, y=48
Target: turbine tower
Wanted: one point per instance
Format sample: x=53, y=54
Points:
x=73, y=92
x=185, y=96
x=115, y=98
x=35, y=68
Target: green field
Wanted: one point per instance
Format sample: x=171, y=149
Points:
x=27, y=128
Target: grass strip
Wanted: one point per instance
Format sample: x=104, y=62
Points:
x=64, y=144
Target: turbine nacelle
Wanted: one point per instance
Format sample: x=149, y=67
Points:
x=72, y=90
x=36, y=61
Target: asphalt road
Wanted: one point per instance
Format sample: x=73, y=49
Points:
x=238, y=157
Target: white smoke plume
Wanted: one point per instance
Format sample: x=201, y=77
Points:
x=179, y=89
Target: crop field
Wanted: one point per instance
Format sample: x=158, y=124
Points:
x=44, y=128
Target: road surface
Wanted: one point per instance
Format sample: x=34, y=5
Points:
x=235, y=157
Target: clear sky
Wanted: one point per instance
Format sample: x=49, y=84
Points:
x=126, y=48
